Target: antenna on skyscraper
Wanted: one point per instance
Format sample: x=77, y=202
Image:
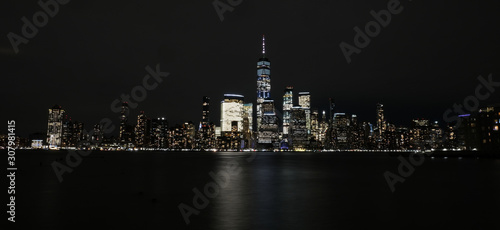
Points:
x=263, y=45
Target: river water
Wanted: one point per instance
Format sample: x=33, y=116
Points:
x=264, y=190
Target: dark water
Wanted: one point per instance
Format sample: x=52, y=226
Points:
x=142, y=190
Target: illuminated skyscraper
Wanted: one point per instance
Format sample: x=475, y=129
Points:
x=206, y=111
x=263, y=82
x=248, y=114
x=67, y=132
x=232, y=121
x=267, y=121
x=77, y=133
x=268, y=131
x=323, y=128
x=305, y=102
x=341, y=124
x=287, y=107
x=380, y=120
x=142, y=130
x=315, y=124
x=298, y=130
x=206, y=131
x=55, y=127
x=189, y=134
x=159, y=133
x=247, y=125
x=232, y=113
x=124, y=134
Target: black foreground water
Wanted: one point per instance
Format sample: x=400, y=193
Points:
x=142, y=190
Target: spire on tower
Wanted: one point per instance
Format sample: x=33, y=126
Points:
x=263, y=46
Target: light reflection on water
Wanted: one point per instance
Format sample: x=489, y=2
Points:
x=273, y=191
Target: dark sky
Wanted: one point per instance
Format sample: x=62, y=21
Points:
x=91, y=52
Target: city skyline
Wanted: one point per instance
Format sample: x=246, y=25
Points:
x=306, y=131
x=215, y=60
x=299, y=127
x=303, y=99
x=265, y=105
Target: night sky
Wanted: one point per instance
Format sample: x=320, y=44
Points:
x=91, y=52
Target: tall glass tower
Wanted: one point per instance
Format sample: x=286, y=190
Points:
x=263, y=82
x=267, y=121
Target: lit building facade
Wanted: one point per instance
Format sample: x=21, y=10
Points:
x=248, y=115
x=125, y=129
x=341, y=124
x=489, y=128
x=206, y=137
x=287, y=107
x=159, y=133
x=248, y=126
x=305, y=99
x=315, y=124
x=268, y=131
x=77, y=133
x=481, y=130
x=67, y=132
x=189, y=133
x=232, y=113
x=380, y=120
x=305, y=102
x=206, y=111
x=182, y=136
x=298, y=129
x=142, y=130
x=323, y=128
x=232, y=121
x=420, y=134
x=55, y=127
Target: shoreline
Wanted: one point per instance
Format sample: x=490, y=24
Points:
x=392, y=153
